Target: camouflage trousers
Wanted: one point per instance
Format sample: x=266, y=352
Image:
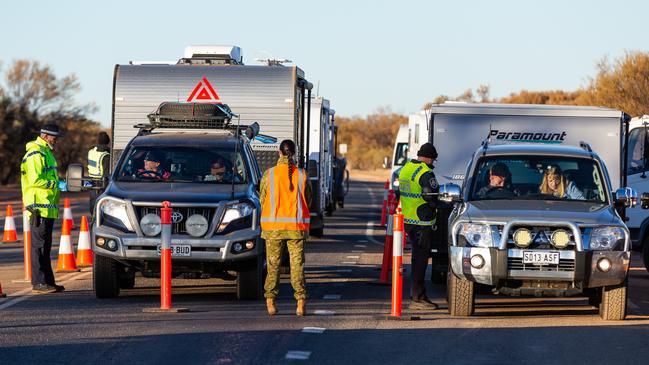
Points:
x=274, y=258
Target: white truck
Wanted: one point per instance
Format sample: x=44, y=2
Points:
x=638, y=166
x=321, y=156
x=399, y=155
x=276, y=96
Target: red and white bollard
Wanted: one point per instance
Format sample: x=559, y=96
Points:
x=387, y=254
x=165, y=262
x=27, y=247
x=384, y=208
x=397, y=262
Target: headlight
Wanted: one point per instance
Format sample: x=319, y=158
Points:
x=476, y=234
x=150, y=225
x=196, y=225
x=560, y=238
x=114, y=215
x=234, y=212
x=607, y=238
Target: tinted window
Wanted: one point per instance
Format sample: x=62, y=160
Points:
x=183, y=164
x=538, y=178
x=638, y=148
x=401, y=154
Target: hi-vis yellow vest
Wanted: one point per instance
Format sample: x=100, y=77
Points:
x=410, y=192
x=283, y=209
x=95, y=166
x=39, y=179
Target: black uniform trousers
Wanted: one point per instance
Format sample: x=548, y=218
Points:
x=419, y=238
x=41, y=249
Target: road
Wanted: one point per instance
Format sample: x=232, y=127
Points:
x=346, y=323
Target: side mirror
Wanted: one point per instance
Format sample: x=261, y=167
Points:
x=644, y=201
x=74, y=177
x=626, y=197
x=386, y=162
x=450, y=193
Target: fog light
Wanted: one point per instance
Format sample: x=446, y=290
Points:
x=522, y=237
x=112, y=245
x=250, y=245
x=560, y=238
x=237, y=247
x=477, y=261
x=604, y=264
x=101, y=241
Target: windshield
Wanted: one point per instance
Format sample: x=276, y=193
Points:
x=401, y=154
x=538, y=178
x=210, y=165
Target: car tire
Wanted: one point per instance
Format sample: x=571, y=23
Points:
x=105, y=277
x=460, y=296
x=250, y=281
x=317, y=232
x=613, y=305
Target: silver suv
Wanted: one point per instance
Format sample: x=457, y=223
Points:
x=538, y=220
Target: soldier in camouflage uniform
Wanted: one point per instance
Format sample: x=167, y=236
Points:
x=293, y=234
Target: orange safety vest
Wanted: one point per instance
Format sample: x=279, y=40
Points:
x=283, y=209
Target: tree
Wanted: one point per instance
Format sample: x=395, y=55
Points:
x=623, y=85
x=31, y=97
x=555, y=97
x=369, y=139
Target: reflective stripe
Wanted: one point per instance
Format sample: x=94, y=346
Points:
x=414, y=174
x=410, y=195
x=32, y=154
x=44, y=206
x=271, y=183
x=285, y=220
x=49, y=184
x=92, y=163
x=299, y=189
x=48, y=168
x=414, y=221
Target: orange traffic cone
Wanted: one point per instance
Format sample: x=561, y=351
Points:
x=10, y=226
x=67, y=213
x=84, y=252
x=66, y=261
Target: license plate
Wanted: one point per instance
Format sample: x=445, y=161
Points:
x=541, y=257
x=179, y=250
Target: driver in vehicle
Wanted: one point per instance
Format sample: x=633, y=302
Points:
x=555, y=183
x=152, y=169
x=500, y=182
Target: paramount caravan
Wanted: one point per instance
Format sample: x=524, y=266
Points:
x=514, y=235
x=277, y=97
x=321, y=157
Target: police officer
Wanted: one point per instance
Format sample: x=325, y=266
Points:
x=285, y=196
x=41, y=188
x=416, y=179
x=98, y=163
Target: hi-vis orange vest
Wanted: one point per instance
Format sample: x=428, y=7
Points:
x=283, y=209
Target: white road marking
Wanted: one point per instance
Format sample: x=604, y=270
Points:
x=313, y=330
x=297, y=355
x=332, y=297
x=361, y=246
x=353, y=257
x=357, y=251
x=323, y=312
x=369, y=235
x=26, y=293
x=349, y=262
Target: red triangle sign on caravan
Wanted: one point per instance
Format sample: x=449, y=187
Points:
x=204, y=92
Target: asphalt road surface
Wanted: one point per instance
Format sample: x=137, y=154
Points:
x=346, y=323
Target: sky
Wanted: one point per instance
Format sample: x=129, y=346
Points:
x=361, y=55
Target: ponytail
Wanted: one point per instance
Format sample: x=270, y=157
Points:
x=287, y=148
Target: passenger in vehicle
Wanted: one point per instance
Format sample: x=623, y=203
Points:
x=220, y=173
x=500, y=182
x=555, y=183
x=152, y=169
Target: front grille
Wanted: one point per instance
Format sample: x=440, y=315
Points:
x=178, y=227
x=516, y=263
